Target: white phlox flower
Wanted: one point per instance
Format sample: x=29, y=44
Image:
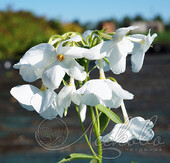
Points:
x=137, y=128
x=64, y=63
x=65, y=97
x=98, y=91
x=141, y=44
x=42, y=61
x=118, y=49
x=35, y=60
x=43, y=102
x=114, y=50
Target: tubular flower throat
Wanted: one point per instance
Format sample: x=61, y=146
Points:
x=60, y=57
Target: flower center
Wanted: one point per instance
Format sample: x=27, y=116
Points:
x=60, y=57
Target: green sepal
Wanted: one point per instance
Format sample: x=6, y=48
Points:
x=109, y=113
x=113, y=79
x=76, y=156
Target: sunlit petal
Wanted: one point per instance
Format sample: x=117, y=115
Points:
x=53, y=76
x=24, y=93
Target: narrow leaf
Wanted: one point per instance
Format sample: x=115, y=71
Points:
x=104, y=121
x=109, y=113
x=76, y=156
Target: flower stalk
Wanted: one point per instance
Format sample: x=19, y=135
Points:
x=125, y=115
x=97, y=133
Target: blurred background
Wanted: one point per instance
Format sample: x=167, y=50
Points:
x=25, y=136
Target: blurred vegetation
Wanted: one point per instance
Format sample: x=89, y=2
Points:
x=21, y=30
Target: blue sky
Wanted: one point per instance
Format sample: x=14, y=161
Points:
x=91, y=10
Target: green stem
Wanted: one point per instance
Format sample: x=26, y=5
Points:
x=86, y=69
x=85, y=135
x=98, y=122
x=97, y=133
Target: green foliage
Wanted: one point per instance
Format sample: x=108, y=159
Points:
x=21, y=30
x=163, y=37
x=109, y=113
x=76, y=156
x=104, y=121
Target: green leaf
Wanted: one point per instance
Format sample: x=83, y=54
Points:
x=76, y=156
x=109, y=113
x=93, y=161
x=104, y=121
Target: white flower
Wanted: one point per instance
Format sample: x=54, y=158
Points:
x=65, y=97
x=82, y=110
x=105, y=92
x=42, y=61
x=137, y=128
x=97, y=52
x=120, y=47
x=64, y=63
x=115, y=50
x=35, y=60
x=141, y=44
x=43, y=102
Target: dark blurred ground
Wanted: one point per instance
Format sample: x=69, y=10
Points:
x=151, y=87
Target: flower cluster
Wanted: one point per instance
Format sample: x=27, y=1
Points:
x=69, y=55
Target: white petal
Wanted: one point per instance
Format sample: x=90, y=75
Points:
x=139, y=50
x=137, y=57
x=60, y=111
x=50, y=113
x=73, y=69
x=125, y=47
x=28, y=73
x=90, y=99
x=141, y=129
x=118, y=95
x=99, y=51
x=114, y=55
x=120, y=134
x=99, y=88
x=38, y=72
x=45, y=103
x=119, y=67
x=93, y=92
x=149, y=40
x=121, y=32
x=72, y=52
x=119, y=50
x=53, y=76
x=39, y=56
x=125, y=30
x=24, y=93
x=65, y=95
x=82, y=109
x=44, y=99
x=136, y=38
x=76, y=98
x=118, y=90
